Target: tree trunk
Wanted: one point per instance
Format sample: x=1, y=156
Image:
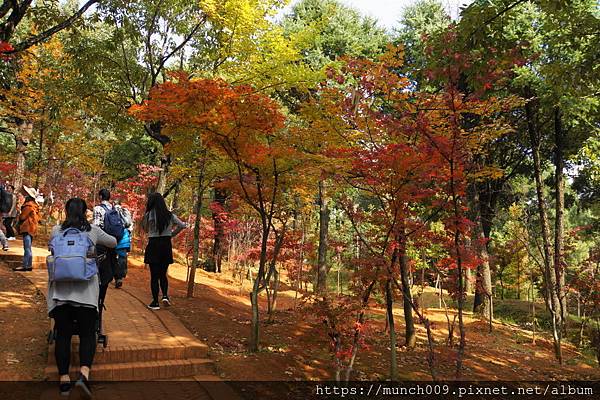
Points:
x=323, y=235
x=468, y=283
x=390, y=320
x=196, y=250
x=154, y=130
x=559, y=265
x=175, y=199
x=219, y=229
x=165, y=162
x=255, y=325
x=410, y=335
x=519, y=280
x=22, y=141
x=483, y=301
x=38, y=172
x=550, y=295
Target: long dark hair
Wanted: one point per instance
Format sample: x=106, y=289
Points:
x=76, y=209
x=163, y=216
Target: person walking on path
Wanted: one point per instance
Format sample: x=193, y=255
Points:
x=161, y=225
x=124, y=245
x=27, y=225
x=76, y=300
x=3, y=240
x=104, y=219
x=10, y=216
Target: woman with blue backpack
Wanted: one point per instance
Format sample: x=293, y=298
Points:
x=73, y=289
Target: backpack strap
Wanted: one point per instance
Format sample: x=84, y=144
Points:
x=68, y=230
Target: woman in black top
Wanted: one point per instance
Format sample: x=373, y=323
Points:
x=161, y=225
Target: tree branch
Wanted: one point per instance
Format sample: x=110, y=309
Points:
x=57, y=28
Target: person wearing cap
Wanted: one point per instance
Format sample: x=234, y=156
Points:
x=27, y=224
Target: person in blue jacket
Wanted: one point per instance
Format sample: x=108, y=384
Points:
x=124, y=245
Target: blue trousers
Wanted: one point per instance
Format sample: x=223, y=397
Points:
x=27, y=254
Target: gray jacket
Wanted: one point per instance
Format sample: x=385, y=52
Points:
x=12, y=213
x=78, y=293
x=174, y=226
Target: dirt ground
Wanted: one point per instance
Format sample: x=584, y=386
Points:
x=23, y=328
x=295, y=345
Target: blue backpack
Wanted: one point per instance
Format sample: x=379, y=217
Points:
x=113, y=224
x=69, y=261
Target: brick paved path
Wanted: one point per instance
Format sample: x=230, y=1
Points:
x=143, y=345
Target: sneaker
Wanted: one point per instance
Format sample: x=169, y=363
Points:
x=166, y=301
x=11, y=238
x=154, y=305
x=21, y=269
x=5, y=248
x=65, y=388
x=118, y=283
x=82, y=386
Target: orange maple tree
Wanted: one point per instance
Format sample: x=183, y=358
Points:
x=246, y=130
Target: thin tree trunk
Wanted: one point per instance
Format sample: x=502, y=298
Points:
x=459, y=264
x=440, y=293
x=390, y=321
x=552, y=300
x=559, y=209
x=255, y=325
x=581, y=330
x=219, y=231
x=40, y=157
x=196, y=250
x=483, y=301
x=300, y=266
x=323, y=237
x=22, y=141
x=410, y=333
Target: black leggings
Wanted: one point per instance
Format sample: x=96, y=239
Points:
x=86, y=321
x=158, y=274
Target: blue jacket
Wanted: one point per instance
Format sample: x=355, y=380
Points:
x=124, y=244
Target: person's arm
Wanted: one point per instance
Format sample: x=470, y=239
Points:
x=144, y=223
x=178, y=225
x=25, y=213
x=104, y=239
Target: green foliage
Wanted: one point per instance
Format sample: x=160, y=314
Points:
x=124, y=157
x=335, y=31
x=424, y=19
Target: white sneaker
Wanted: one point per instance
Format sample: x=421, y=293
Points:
x=11, y=238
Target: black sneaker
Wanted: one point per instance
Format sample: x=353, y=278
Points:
x=154, y=305
x=166, y=301
x=82, y=386
x=65, y=388
x=22, y=269
x=5, y=248
x=118, y=283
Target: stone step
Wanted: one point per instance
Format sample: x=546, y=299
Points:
x=17, y=263
x=142, y=371
x=129, y=354
x=19, y=257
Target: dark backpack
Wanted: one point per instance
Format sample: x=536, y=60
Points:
x=6, y=200
x=113, y=224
